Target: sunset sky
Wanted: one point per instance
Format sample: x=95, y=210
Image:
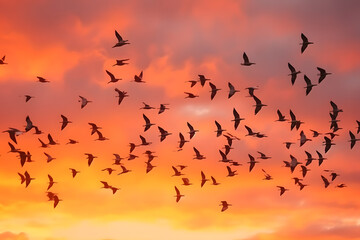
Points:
x=70, y=44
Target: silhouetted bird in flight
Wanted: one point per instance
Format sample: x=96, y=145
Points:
x=246, y=60
x=113, y=79
x=121, y=41
x=322, y=74
x=121, y=62
x=293, y=73
x=305, y=42
x=224, y=205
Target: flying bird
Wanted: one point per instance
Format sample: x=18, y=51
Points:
x=303, y=138
x=258, y=105
x=64, y=122
x=224, y=205
x=293, y=73
x=190, y=95
x=13, y=132
x=281, y=117
x=94, y=128
x=335, y=109
x=251, y=91
x=214, y=182
x=294, y=162
x=358, y=127
x=182, y=140
x=12, y=148
x=178, y=195
x=322, y=74
x=250, y=131
x=219, y=130
x=2, y=60
x=121, y=95
x=326, y=182
x=42, y=80
x=328, y=144
x=309, y=158
x=186, y=182
x=267, y=176
x=294, y=122
x=288, y=144
x=192, y=130
x=231, y=173
x=304, y=170
x=252, y=162
x=320, y=158
x=120, y=40
x=28, y=179
x=101, y=136
x=148, y=124
x=28, y=97
x=213, y=90
x=51, y=182
x=237, y=119
x=162, y=108
x=309, y=85
x=246, y=60
x=198, y=156
x=353, y=140
x=90, y=158
x=305, y=42
x=49, y=157
x=84, y=102
x=29, y=124
x=139, y=78
x=51, y=140
x=203, y=179
x=121, y=62
x=74, y=172
x=263, y=156
x=109, y=170
x=124, y=170
x=203, y=79
x=232, y=90
x=147, y=106
x=143, y=142
x=113, y=79
x=282, y=189
x=163, y=134
x=177, y=172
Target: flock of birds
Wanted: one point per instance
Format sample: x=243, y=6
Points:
x=26, y=157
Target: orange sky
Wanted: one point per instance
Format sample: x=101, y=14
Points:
x=70, y=44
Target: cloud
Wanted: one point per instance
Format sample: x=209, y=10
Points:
x=13, y=236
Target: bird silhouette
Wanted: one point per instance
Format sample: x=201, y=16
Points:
x=326, y=182
x=64, y=122
x=320, y=158
x=246, y=60
x=282, y=189
x=293, y=73
x=186, y=182
x=121, y=95
x=74, y=172
x=49, y=157
x=203, y=179
x=121, y=62
x=113, y=79
x=251, y=162
x=84, y=102
x=219, y=130
x=353, y=140
x=237, y=119
x=190, y=95
x=51, y=182
x=258, y=105
x=305, y=42
x=231, y=173
x=42, y=80
x=213, y=90
x=182, y=140
x=120, y=40
x=192, y=131
x=178, y=195
x=309, y=85
x=328, y=144
x=2, y=60
x=198, y=156
x=203, y=79
x=138, y=78
x=162, y=108
x=148, y=124
x=322, y=74
x=214, y=182
x=224, y=205
x=232, y=90
x=163, y=134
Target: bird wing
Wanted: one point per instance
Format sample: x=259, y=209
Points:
x=245, y=57
x=304, y=38
x=292, y=69
x=119, y=38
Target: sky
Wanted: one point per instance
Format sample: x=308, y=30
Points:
x=69, y=43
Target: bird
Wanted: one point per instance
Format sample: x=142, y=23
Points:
x=293, y=73
x=12, y=148
x=90, y=158
x=2, y=60
x=203, y=79
x=321, y=158
x=143, y=141
x=305, y=42
x=148, y=124
x=335, y=109
x=178, y=195
x=267, y=176
x=124, y=170
x=297, y=180
x=303, y=138
x=101, y=136
x=219, y=130
x=43, y=145
x=28, y=179
x=231, y=173
x=109, y=170
x=282, y=189
x=198, y=156
x=342, y=185
x=147, y=106
x=358, y=127
x=322, y=74
x=64, y=122
x=333, y=176
x=251, y=91
x=113, y=79
x=51, y=182
x=51, y=140
x=281, y=117
x=121, y=95
x=42, y=80
x=22, y=156
x=120, y=40
x=224, y=205
x=74, y=172
x=294, y=122
x=304, y=170
x=232, y=90
x=203, y=179
x=121, y=62
x=237, y=119
x=294, y=162
x=258, y=105
x=309, y=158
x=214, y=182
x=315, y=133
x=49, y=157
x=72, y=141
x=186, y=182
x=250, y=131
x=177, y=172
x=163, y=134
x=29, y=124
x=132, y=147
x=139, y=78
x=162, y=108
x=192, y=131
x=22, y=178
x=328, y=144
x=246, y=60
x=37, y=130
x=84, y=101
x=352, y=140
x=252, y=162
x=13, y=132
x=326, y=182
x=263, y=156
x=149, y=167
x=309, y=85
x=223, y=157
x=94, y=128
x=301, y=185
x=56, y=200
x=182, y=140
x=105, y=184
x=28, y=97
x=213, y=90
x=193, y=82
x=288, y=144
x=190, y=95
